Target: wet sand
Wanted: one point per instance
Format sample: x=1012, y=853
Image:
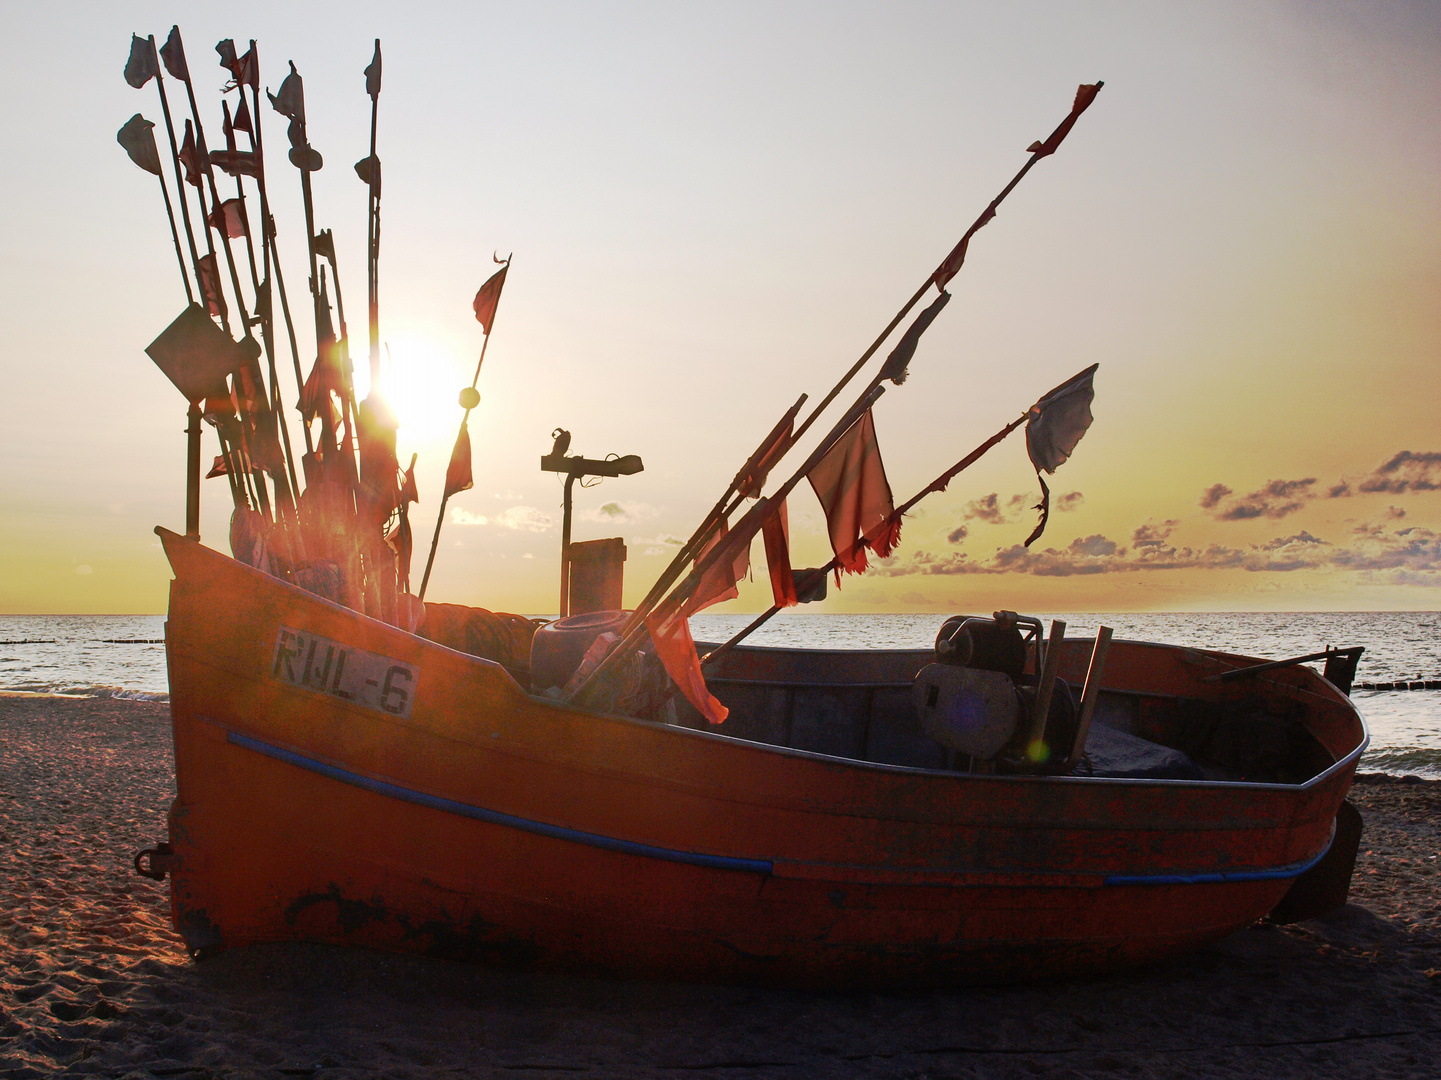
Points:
x=93, y=982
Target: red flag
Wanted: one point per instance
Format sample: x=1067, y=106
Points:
x=953, y=261
x=236, y=162
x=210, y=284
x=408, y=491
x=190, y=157
x=229, y=218
x=776, y=533
x=676, y=649
x=718, y=583
x=242, y=117
x=457, y=473
x=372, y=73
x=488, y=298
x=1085, y=94
x=752, y=477
x=850, y=482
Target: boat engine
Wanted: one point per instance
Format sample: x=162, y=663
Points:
x=977, y=698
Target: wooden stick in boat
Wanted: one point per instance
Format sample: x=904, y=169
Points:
x=469, y=399
x=179, y=176
x=372, y=235
x=1045, y=688
x=712, y=522
x=1089, y=693
x=814, y=577
x=724, y=506
x=744, y=531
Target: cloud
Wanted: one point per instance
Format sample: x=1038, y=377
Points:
x=1405, y=472
x=616, y=511
x=1275, y=500
x=1213, y=495
x=84, y=570
x=1072, y=500
x=959, y=533
x=986, y=508
x=519, y=518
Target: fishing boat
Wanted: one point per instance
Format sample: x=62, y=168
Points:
x=341, y=780
x=603, y=794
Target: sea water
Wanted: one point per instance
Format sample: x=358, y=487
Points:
x=121, y=655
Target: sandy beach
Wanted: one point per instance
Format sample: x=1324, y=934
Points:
x=94, y=982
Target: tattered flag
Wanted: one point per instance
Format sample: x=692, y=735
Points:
x=247, y=70
x=897, y=364
x=775, y=531
x=138, y=138
x=209, y=275
x=190, y=157
x=718, y=582
x=1085, y=94
x=229, y=218
x=291, y=99
x=851, y=483
x=953, y=262
x=1056, y=424
x=488, y=298
x=236, y=162
x=372, y=73
x=325, y=245
x=457, y=474
x=173, y=53
x=142, y=66
x=196, y=355
x=676, y=649
x=368, y=169
x=753, y=474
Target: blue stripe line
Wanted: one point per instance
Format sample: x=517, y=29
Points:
x=1216, y=877
x=495, y=817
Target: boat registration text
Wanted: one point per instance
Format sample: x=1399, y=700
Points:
x=345, y=672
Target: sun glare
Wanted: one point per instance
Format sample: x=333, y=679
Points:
x=420, y=380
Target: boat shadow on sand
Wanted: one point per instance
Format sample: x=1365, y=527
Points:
x=1346, y=994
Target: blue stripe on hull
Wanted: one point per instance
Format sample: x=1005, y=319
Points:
x=715, y=862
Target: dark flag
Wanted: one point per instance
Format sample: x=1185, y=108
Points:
x=247, y=70
x=196, y=355
x=226, y=49
x=173, y=53
x=372, y=74
x=190, y=157
x=325, y=245
x=291, y=99
x=851, y=483
x=488, y=298
x=368, y=169
x=1055, y=426
x=236, y=162
x=242, y=117
x=229, y=218
x=138, y=138
x=142, y=65
x=209, y=276
x=1085, y=94
x=457, y=473
x=897, y=364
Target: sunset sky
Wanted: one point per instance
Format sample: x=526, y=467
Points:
x=714, y=207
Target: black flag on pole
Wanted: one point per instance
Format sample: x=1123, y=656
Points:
x=142, y=65
x=1055, y=426
x=138, y=138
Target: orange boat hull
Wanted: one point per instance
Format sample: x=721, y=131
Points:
x=425, y=803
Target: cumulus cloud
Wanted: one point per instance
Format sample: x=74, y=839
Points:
x=986, y=508
x=959, y=533
x=1072, y=500
x=1275, y=500
x=1405, y=472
